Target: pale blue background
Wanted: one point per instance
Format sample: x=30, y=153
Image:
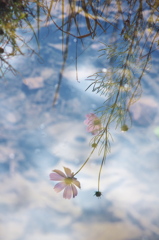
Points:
x=36, y=138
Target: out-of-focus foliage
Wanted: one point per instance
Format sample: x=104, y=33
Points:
x=15, y=15
x=128, y=54
x=133, y=20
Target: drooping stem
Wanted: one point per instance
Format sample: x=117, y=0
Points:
x=85, y=162
x=100, y=170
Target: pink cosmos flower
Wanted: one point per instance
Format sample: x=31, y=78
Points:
x=93, y=123
x=67, y=182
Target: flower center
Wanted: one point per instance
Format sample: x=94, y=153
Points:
x=96, y=122
x=68, y=180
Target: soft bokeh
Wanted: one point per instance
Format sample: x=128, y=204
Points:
x=36, y=138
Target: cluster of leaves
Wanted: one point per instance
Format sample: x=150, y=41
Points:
x=129, y=57
x=94, y=15
x=15, y=15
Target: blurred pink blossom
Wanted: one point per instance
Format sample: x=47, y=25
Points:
x=93, y=123
x=67, y=181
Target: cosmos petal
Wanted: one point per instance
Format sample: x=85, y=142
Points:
x=91, y=115
x=93, y=123
x=86, y=122
x=59, y=172
x=68, y=172
x=74, y=190
x=77, y=183
x=67, y=194
x=56, y=177
x=59, y=187
x=90, y=128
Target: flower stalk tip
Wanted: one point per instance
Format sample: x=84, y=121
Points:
x=98, y=194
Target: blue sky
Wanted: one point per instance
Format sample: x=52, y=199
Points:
x=36, y=138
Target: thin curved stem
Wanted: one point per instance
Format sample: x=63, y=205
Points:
x=100, y=170
x=85, y=162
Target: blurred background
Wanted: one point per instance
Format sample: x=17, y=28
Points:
x=47, y=52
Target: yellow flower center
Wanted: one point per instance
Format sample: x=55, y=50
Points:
x=97, y=122
x=68, y=180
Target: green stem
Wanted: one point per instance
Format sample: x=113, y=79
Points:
x=100, y=170
x=85, y=162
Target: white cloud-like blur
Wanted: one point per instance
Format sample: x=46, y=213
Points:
x=36, y=138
